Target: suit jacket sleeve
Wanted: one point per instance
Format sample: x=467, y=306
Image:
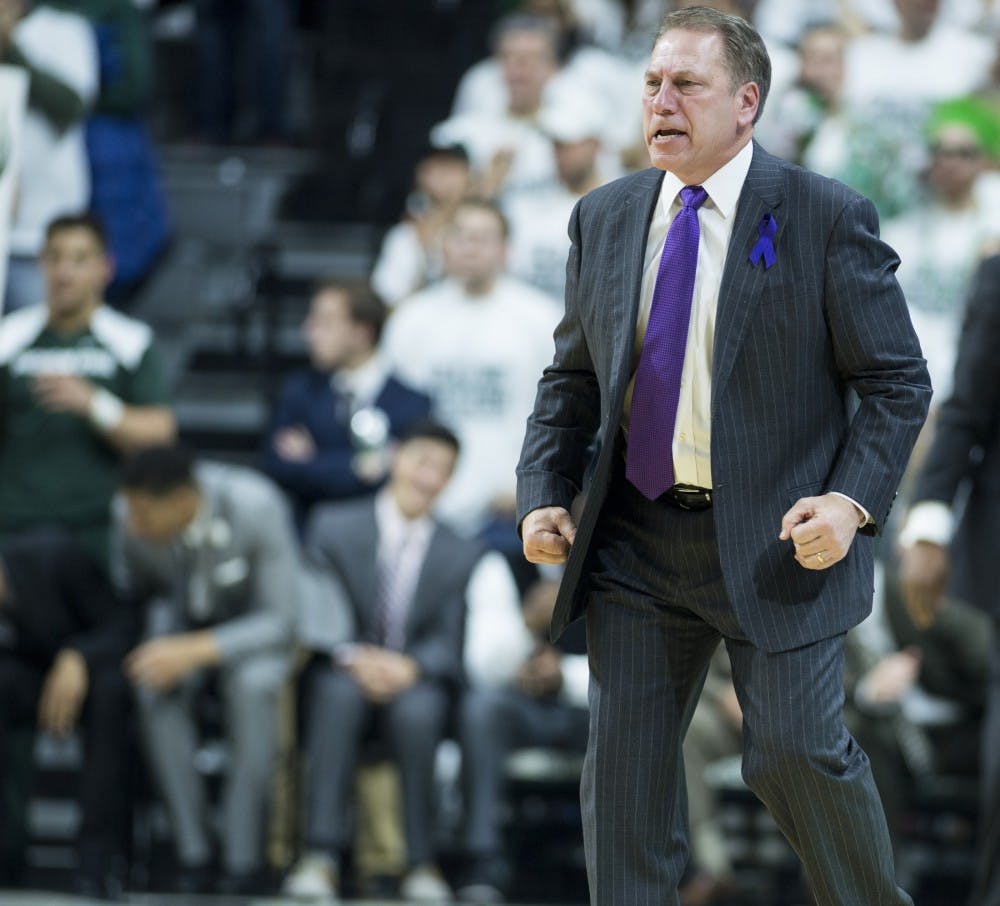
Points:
x=567, y=408
x=275, y=563
x=968, y=419
x=439, y=653
x=878, y=355
x=329, y=473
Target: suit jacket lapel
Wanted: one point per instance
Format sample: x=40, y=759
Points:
x=630, y=252
x=361, y=546
x=743, y=281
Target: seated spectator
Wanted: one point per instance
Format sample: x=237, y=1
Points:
x=495, y=120
x=335, y=421
x=62, y=637
x=716, y=732
x=609, y=82
x=809, y=118
x=209, y=551
x=405, y=579
x=56, y=48
x=877, y=152
x=927, y=59
x=940, y=242
x=539, y=241
x=411, y=253
x=916, y=697
x=79, y=385
x=476, y=343
x=539, y=701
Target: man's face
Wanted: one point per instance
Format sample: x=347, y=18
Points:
x=420, y=470
x=957, y=160
x=76, y=270
x=575, y=160
x=444, y=180
x=917, y=16
x=160, y=518
x=527, y=61
x=693, y=119
x=821, y=62
x=475, y=249
x=332, y=336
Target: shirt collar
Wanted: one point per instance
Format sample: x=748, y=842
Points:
x=393, y=524
x=208, y=528
x=723, y=186
x=365, y=382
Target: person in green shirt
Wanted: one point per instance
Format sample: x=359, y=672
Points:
x=80, y=384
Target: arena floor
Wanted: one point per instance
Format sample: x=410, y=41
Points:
x=41, y=898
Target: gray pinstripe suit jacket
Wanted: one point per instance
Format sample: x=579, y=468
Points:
x=342, y=539
x=791, y=341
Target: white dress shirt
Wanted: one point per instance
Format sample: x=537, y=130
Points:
x=406, y=541
x=363, y=384
x=692, y=431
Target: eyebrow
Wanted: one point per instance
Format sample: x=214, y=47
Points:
x=681, y=74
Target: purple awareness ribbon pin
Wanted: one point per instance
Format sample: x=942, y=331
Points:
x=764, y=248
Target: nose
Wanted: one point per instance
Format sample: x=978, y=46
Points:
x=665, y=99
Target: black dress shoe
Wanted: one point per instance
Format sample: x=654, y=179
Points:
x=101, y=876
x=485, y=880
x=107, y=888
x=243, y=884
x=193, y=879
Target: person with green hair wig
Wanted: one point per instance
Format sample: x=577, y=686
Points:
x=941, y=240
x=980, y=116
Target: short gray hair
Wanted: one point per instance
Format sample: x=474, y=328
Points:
x=744, y=52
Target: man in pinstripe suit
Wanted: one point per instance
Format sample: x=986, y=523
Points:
x=779, y=478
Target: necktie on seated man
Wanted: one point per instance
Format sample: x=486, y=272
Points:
x=649, y=461
x=390, y=596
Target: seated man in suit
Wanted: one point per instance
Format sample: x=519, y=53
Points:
x=336, y=419
x=62, y=637
x=210, y=550
x=405, y=579
x=539, y=700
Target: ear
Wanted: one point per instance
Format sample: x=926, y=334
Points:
x=747, y=102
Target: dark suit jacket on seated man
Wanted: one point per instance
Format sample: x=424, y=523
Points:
x=757, y=478
x=336, y=420
x=403, y=576
x=63, y=634
x=960, y=557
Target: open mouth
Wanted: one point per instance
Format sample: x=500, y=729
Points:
x=667, y=133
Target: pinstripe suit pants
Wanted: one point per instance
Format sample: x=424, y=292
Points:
x=657, y=612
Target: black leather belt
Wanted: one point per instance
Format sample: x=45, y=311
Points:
x=688, y=497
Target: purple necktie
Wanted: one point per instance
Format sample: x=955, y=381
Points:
x=649, y=459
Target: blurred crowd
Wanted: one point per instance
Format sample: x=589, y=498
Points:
x=360, y=596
